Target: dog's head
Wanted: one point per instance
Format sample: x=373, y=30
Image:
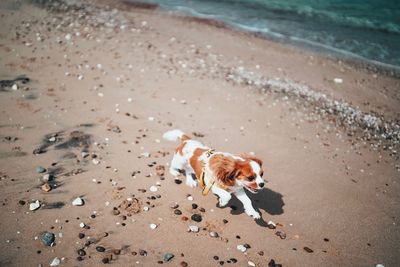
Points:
x=245, y=171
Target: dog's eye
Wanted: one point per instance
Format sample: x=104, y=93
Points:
x=261, y=174
x=251, y=178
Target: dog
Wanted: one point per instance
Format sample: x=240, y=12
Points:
x=222, y=173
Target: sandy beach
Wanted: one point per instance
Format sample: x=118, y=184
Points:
x=89, y=87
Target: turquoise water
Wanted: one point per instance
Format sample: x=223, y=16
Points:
x=368, y=29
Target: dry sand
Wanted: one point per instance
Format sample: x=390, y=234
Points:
x=106, y=82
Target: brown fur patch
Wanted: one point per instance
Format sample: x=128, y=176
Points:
x=179, y=149
x=196, y=163
x=224, y=169
x=251, y=157
x=185, y=137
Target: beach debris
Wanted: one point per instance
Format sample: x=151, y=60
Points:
x=40, y=169
x=168, y=256
x=309, y=250
x=131, y=206
x=46, y=187
x=193, y=228
x=47, y=238
x=100, y=249
x=338, y=80
x=78, y=202
x=153, y=188
x=153, y=226
x=55, y=262
x=281, y=234
x=241, y=248
x=34, y=206
x=196, y=217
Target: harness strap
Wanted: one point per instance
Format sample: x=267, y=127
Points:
x=206, y=188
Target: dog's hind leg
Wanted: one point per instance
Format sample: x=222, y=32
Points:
x=177, y=165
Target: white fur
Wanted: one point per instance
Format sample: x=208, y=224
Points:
x=181, y=162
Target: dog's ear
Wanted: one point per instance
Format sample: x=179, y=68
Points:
x=251, y=157
x=224, y=169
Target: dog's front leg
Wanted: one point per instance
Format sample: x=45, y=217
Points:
x=223, y=195
x=248, y=208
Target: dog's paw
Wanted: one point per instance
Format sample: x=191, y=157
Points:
x=174, y=172
x=190, y=182
x=254, y=214
x=222, y=202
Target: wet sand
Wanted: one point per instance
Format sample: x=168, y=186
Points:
x=103, y=83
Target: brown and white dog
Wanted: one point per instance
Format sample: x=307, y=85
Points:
x=222, y=173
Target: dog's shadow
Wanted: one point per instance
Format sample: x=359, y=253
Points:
x=266, y=199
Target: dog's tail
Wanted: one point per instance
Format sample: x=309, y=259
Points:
x=174, y=135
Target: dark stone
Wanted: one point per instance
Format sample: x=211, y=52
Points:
x=105, y=260
x=272, y=263
x=309, y=250
x=117, y=251
x=216, y=258
x=202, y=210
x=184, y=264
x=40, y=169
x=93, y=216
x=196, y=217
x=221, y=263
x=233, y=260
x=47, y=238
x=81, y=235
x=79, y=258
x=22, y=202
x=142, y=252
x=326, y=239
x=225, y=221
x=81, y=252
x=177, y=212
x=168, y=256
x=177, y=181
x=100, y=249
x=194, y=206
x=261, y=253
x=247, y=246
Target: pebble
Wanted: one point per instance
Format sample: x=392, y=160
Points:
x=281, y=234
x=35, y=205
x=82, y=225
x=100, y=249
x=214, y=234
x=174, y=206
x=78, y=202
x=81, y=252
x=14, y=87
x=194, y=206
x=40, y=169
x=271, y=225
x=379, y=265
x=95, y=161
x=47, y=238
x=46, y=187
x=193, y=228
x=142, y=252
x=153, y=188
x=309, y=250
x=184, y=264
x=52, y=139
x=241, y=248
x=250, y=263
x=338, y=80
x=46, y=177
x=190, y=198
x=56, y=261
x=168, y=256
x=153, y=226
x=196, y=217
x=177, y=212
x=81, y=235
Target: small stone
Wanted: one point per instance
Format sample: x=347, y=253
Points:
x=194, y=228
x=47, y=177
x=153, y=226
x=183, y=264
x=225, y=221
x=194, y=206
x=14, y=87
x=261, y=253
x=81, y=252
x=338, y=80
x=117, y=251
x=47, y=238
x=100, y=249
x=177, y=181
x=95, y=161
x=309, y=250
x=379, y=265
x=34, y=206
x=281, y=234
x=78, y=202
x=153, y=188
x=177, y=212
x=214, y=234
x=142, y=252
x=247, y=246
x=233, y=260
x=252, y=264
x=105, y=260
x=241, y=248
x=40, y=169
x=81, y=235
x=168, y=256
x=82, y=225
x=271, y=225
x=216, y=258
x=272, y=263
x=22, y=202
x=46, y=187
x=174, y=206
x=56, y=261
x=190, y=198
x=52, y=139
x=196, y=217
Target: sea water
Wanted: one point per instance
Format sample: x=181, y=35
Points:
x=363, y=29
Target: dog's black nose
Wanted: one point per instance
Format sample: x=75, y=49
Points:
x=261, y=185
